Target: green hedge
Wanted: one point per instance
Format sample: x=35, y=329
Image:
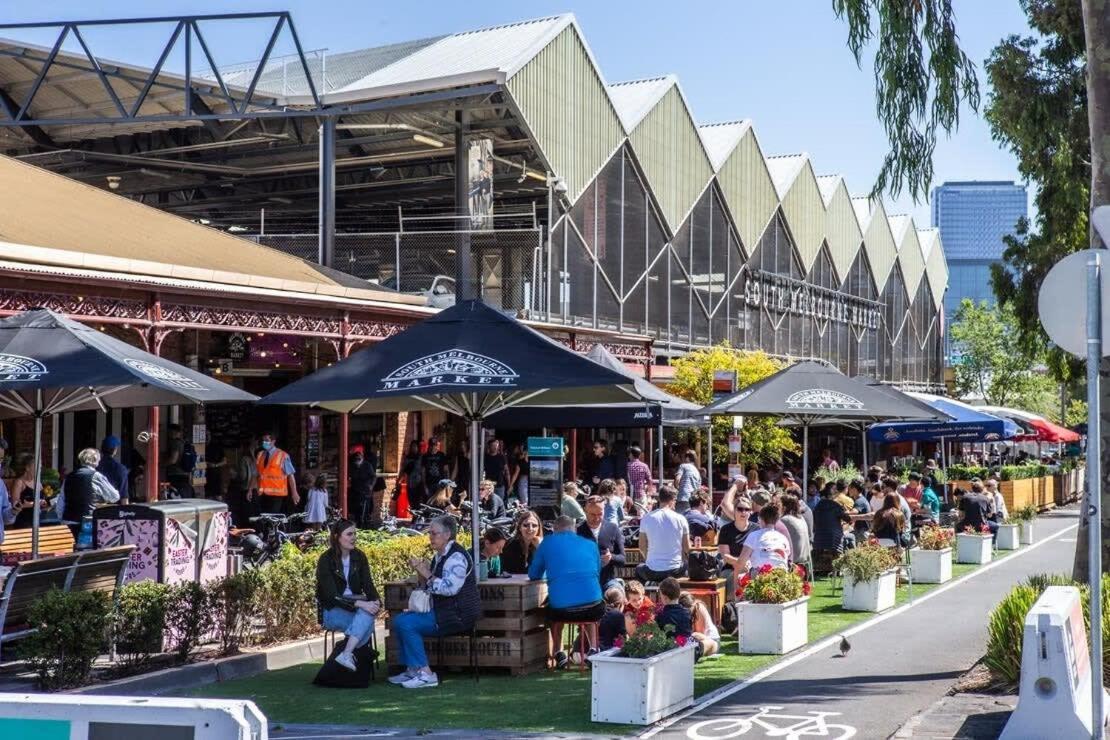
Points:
x=1006, y=624
x=272, y=604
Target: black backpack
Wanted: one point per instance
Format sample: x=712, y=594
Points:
x=336, y=676
x=702, y=566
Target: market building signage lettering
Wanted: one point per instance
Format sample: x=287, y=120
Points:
x=454, y=367
x=786, y=295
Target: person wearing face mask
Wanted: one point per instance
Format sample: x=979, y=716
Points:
x=362, y=474
x=274, y=480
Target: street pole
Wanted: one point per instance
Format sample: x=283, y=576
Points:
x=466, y=287
x=327, y=193
x=1094, y=477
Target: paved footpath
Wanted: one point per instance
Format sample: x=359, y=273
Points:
x=897, y=667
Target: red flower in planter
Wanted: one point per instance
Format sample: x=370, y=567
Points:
x=643, y=617
x=806, y=589
x=681, y=640
x=984, y=529
x=766, y=568
x=801, y=571
x=618, y=642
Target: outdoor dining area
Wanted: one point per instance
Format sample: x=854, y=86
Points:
x=491, y=370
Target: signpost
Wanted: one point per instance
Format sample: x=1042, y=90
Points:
x=1060, y=306
x=545, y=474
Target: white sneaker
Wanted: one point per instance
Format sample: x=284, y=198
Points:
x=401, y=677
x=347, y=660
x=422, y=681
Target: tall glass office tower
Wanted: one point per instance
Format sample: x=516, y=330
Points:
x=973, y=217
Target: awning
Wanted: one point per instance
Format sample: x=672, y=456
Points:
x=1040, y=429
x=968, y=424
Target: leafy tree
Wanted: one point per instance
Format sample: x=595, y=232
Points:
x=988, y=359
x=921, y=78
x=1037, y=108
x=1076, y=413
x=909, y=37
x=763, y=440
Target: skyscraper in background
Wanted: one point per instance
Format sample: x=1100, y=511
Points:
x=973, y=216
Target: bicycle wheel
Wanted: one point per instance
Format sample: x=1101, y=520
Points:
x=719, y=729
x=835, y=732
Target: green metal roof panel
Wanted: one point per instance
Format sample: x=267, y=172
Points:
x=842, y=232
x=670, y=150
x=748, y=189
x=804, y=210
x=564, y=102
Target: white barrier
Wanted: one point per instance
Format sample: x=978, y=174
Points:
x=1055, y=696
x=81, y=717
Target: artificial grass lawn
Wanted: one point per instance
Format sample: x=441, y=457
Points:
x=541, y=702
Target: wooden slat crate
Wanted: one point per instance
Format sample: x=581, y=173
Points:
x=519, y=656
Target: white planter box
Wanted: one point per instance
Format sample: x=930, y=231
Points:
x=1007, y=537
x=931, y=566
x=973, y=548
x=640, y=691
x=875, y=595
x=773, y=629
x=1027, y=533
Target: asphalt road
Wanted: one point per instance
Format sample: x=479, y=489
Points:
x=896, y=667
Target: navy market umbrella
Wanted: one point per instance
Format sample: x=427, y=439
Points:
x=469, y=360
x=50, y=364
x=809, y=393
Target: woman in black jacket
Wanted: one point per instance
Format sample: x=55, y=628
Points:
x=527, y=535
x=345, y=593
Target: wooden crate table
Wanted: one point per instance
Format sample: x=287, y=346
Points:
x=710, y=593
x=512, y=630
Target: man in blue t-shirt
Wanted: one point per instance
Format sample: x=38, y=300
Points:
x=572, y=566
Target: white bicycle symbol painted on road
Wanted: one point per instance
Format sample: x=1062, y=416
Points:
x=789, y=726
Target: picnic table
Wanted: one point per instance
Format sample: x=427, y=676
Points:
x=511, y=633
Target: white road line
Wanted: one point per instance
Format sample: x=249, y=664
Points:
x=726, y=691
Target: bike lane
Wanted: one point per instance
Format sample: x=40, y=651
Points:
x=897, y=666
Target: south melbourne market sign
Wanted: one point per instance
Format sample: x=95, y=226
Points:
x=454, y=367
x=786, y=295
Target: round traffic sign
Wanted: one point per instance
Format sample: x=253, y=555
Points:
x=1062, y=303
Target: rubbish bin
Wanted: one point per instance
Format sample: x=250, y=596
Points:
x=175, y=541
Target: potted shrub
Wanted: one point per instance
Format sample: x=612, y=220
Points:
x=1024, y=518
x=931, y=560
x=645, y=678
x=974, y=546
x=1007, y=536
x=870, y=577
x=772, y=609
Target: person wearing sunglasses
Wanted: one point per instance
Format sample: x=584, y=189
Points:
x=730, y=540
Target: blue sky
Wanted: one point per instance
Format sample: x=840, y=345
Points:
x=782, y=63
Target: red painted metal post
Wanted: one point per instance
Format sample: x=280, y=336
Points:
x=342, y=484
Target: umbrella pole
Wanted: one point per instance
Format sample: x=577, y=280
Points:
x=709, y=454
x=805, y=455
x=659, y=446
x=944, y=467
x=863, y=443
x=38, y=476
x=475, y=481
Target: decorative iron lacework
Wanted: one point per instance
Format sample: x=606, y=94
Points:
x=215, y=316
x=368, y=330
x=105, y=307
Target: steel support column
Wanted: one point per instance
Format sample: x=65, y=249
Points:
x=327, y=192
x=466, y=287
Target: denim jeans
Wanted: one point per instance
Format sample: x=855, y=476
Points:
x=357, y=625
x=411, y=628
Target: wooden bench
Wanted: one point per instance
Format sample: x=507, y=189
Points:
x=54, y=539
x=91, y=570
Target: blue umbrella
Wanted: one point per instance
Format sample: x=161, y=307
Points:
x=968, y=424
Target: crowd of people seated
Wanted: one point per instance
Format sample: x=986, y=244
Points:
x=763, y=520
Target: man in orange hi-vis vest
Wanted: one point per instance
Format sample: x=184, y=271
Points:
x=273, y=481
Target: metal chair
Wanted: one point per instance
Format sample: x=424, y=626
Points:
x=373, y=643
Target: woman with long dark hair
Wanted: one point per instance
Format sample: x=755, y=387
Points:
x=345, y=593
x=527, y=535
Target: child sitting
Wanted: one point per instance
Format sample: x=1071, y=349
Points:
x=638, y=608
x=673, y=613
x=612, y=623
x=316, y=508
x=705, y=632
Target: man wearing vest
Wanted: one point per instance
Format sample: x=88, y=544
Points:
x=273, y=479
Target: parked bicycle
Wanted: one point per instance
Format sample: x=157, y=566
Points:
x=263, y=542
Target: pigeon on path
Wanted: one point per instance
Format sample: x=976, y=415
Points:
x=845, y=646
